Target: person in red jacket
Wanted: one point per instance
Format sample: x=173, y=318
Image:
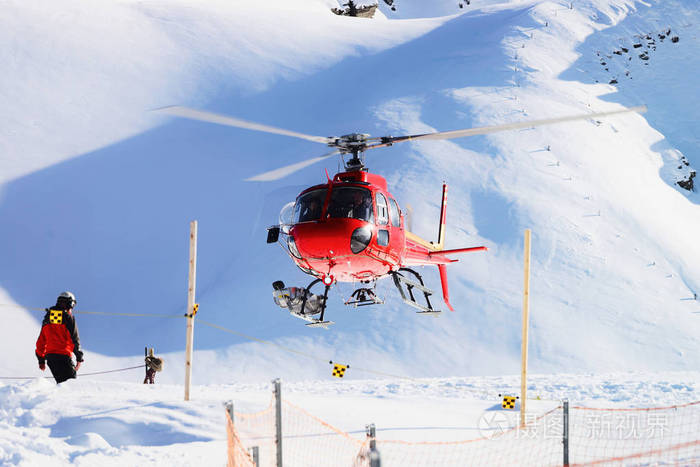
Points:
x=59, y=339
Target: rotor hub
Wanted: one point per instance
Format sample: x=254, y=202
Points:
x=353, y=143
x=349, y=143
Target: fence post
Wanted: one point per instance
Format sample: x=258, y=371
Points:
x=229, y=408
x=278, y=420
x=255, y=453
x=565, y=440
x=374, y=460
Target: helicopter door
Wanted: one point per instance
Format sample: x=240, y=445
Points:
x=384, y=230
x=396, y=231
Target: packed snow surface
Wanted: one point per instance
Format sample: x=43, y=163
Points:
x=116, y=423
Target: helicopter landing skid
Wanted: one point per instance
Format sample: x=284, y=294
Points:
x=364, y=297
x=409, y=298
x=320, y=324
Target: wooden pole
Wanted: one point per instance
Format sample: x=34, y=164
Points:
x=526, y=313
x=191, y=307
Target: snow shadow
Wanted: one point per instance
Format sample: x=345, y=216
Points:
x=495, y=217
x=119, y=433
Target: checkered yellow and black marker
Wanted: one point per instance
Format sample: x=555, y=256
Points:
x=55, y=316
x=339, y=370
x=508, y=402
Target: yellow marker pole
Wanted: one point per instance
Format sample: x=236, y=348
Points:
x=526, y=312
x=191, y=307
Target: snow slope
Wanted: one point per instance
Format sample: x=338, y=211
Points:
x=97, y=193
x=624, y=238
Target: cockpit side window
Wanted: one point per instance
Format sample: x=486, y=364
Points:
x=353, y=202
x=394, y=213
x=382, y=210
x=309, y=205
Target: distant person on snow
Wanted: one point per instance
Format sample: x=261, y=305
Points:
x=58, y=339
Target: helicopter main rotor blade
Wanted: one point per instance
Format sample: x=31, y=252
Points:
x=276, y=174
x=201, y=115
x=507, y=126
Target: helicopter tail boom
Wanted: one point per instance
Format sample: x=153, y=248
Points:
x=423, y=252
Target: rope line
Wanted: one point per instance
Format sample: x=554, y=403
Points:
x=288, y=349
x=154, y=315
x=483, y=393
x=638, y=409
x=255, y=339
x=149, y=315
x=487, y=394
x=323, y=423
x=513, y=429
x=112, y=371
x=80, y=374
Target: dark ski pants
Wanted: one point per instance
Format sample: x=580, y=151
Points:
x=61, y=367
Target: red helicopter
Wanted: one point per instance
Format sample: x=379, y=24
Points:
x=351, y=229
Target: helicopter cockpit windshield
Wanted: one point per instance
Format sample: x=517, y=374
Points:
x=308, y=206
x=353, y=202
x=285, y=217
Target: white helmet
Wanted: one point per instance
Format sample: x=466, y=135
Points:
x=66, y=298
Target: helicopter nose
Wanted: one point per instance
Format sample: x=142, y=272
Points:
x=336, y=237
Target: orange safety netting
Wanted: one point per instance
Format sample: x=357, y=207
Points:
x=647, y=436
x=643, y=436
x=503, y=443
x=237, y=454
x=306, y=440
